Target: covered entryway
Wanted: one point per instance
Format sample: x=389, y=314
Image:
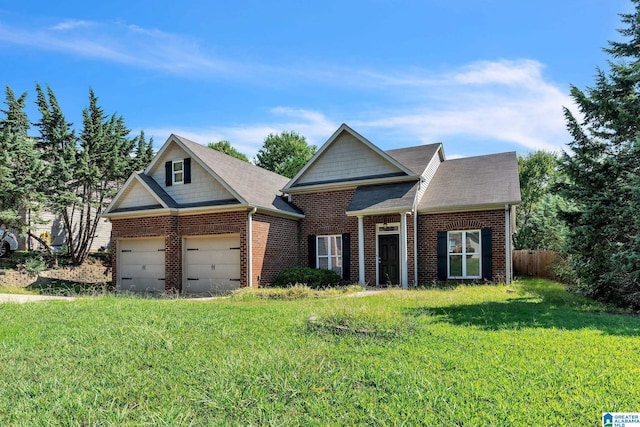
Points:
x=211, y=264
x=141, y=264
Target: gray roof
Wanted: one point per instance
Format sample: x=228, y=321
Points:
x=415, y=158
x=383, y=197
x=258, y=187
x=155, y=187
x=473, y=182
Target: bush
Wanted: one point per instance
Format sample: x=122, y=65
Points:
x=311, y=277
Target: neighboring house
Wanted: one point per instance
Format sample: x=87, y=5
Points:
x=54, y=226
x=197, y=220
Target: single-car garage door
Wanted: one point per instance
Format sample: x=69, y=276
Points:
x=141, y=265
x=211, y=263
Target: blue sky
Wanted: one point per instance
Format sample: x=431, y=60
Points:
x=480, y=76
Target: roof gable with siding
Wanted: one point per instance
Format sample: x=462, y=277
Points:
x=203, y=187
x=348, y=157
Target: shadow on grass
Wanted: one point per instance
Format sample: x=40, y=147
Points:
x=57, y=287
x=547, y=305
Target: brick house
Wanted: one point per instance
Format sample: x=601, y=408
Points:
x=197, y=220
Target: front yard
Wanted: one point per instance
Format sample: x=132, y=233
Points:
x=530, y=354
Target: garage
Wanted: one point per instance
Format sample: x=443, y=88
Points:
x=211, y=264
x=141, y=265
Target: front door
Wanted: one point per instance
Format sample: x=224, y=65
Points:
x=389, y=259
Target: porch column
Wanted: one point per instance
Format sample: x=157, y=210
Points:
x=404, y=257
x=361, y=250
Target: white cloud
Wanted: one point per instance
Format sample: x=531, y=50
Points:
x=507, y=101
x=121, y=43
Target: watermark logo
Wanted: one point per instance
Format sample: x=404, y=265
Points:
x=621, y=419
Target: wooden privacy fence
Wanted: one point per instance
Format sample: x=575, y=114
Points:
x=533, y=263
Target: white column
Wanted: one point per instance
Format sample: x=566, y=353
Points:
x=507, y=244
x=361, y=250
x=404, y=258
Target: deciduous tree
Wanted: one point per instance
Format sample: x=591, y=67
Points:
x=285, y=153
x=226, y=148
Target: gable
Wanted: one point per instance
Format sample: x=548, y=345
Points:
x=203, y=187
x=347, y=159
x=135, y=195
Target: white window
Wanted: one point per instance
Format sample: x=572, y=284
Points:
x=464, y=255
x=329, y=253
x=178, y=171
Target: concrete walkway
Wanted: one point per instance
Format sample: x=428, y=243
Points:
x=21, y=298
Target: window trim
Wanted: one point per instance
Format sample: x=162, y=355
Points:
x=463, y=254
x=329, y=255
x=174, y=172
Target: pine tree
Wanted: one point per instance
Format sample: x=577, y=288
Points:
x=20, y=166
x=84, y=172
x=602, y=167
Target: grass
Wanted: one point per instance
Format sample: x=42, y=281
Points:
x=473, y=355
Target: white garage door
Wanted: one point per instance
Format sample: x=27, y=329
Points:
x=212, y=264
x=141, y=265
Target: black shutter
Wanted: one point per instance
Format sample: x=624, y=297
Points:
x=346, y=256
x=442, y=255
x=168, y=171
x=187, y=171
x=487, y=272
x=312, y=251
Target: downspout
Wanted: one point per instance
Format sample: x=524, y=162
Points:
x=507, y=243
x=250, y=246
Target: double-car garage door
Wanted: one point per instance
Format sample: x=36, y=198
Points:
x=210, y=264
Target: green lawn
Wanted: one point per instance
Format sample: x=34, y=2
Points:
x=469, y=356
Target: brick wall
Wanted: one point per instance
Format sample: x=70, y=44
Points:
x=325, y=214
x=275, y=247
x=430, y=224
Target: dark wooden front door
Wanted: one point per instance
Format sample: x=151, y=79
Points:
x=389, y=259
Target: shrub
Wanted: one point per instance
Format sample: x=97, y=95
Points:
x=311, y=277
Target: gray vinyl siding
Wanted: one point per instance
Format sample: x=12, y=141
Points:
x=347, y=158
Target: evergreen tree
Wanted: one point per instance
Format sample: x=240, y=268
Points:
x=285, y=153
x=20, y=166
x=602, y=169
x=85, y=172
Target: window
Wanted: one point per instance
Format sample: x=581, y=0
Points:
x=329, y=253
x=178, y=171
x=464, y=254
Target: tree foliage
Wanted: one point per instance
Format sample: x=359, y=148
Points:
x=20, y=165
x=285, y=153
x=226, y=148
x=604, y=176
x=84, y=172
x=538, y=223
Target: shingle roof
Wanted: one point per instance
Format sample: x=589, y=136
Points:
x=415, y=158
x=258, y=187
x=383, y=197
x=473, y=181
x=166, y=198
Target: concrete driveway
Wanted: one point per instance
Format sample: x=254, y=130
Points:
x=21, y=299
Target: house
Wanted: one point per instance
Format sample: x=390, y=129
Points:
x=52, y=224
x=197, y=220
